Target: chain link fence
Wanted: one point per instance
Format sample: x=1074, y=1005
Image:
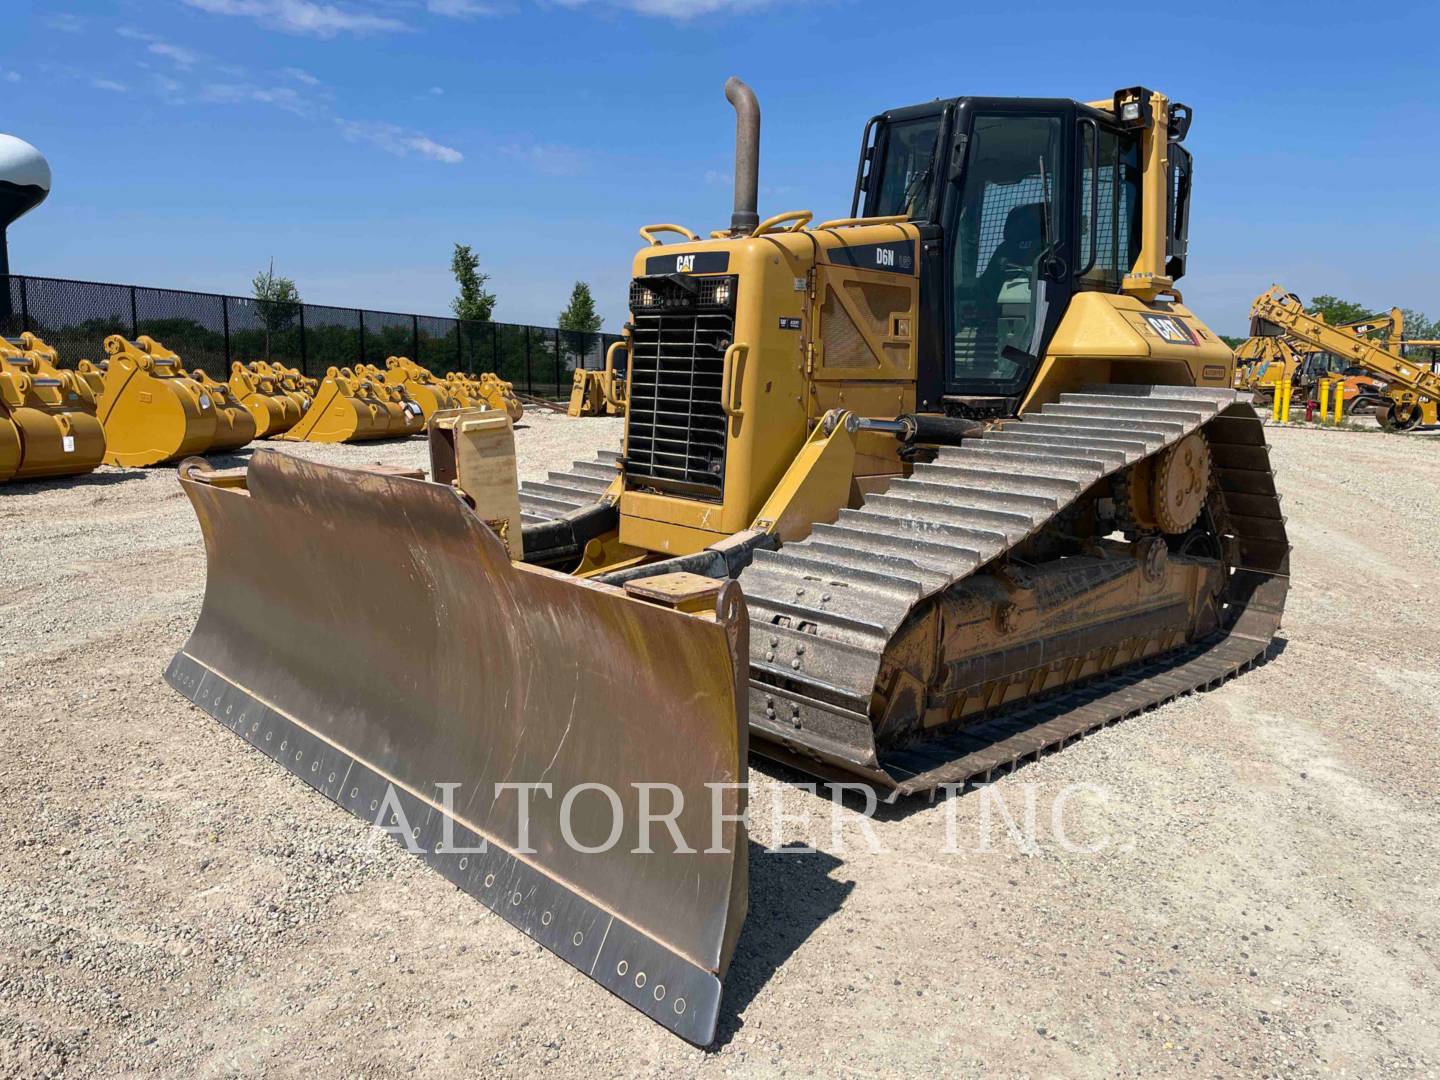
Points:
x=211, y=331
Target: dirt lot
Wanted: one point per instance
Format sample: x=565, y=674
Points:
x=1266, y=899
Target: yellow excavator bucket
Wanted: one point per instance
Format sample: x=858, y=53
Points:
x=47, y=416
x=344, y=410
x=431, y=394
x=273, y=411
x=497, y=393
x=234, y=426
x=151, y=410
x=411, y=420
x=487, y=390
x=473, y=709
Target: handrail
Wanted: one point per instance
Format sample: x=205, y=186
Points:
x=853, y=222
x=798, y=217
x=648, y=232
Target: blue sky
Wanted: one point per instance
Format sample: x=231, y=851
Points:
x=356, y=140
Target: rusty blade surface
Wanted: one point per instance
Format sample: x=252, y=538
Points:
x=369, y=632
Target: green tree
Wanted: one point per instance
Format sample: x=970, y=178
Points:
x=1232, y=341
x=580, y=321
x=277, y=300
x=1418, y=326
x=1337, y=311
x=473, y=303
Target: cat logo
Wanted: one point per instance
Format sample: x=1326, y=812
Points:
x=684, y=264
x=884, y=257
x=1170, y=330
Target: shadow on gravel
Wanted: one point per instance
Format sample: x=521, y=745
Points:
x=791, y=894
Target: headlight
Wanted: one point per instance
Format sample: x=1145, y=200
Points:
x=722, y=294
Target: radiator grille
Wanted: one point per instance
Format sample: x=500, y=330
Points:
x=676, y=429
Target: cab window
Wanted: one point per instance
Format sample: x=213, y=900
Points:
x=1006, y=228
x=1109, y=206
x=907, y=169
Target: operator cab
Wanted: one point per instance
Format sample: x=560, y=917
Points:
x=1021, y=203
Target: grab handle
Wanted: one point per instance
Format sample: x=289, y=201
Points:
x=732, y=383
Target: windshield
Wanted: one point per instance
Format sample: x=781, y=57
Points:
x=906, y=169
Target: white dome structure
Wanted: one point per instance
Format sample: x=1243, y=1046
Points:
x=24, y=183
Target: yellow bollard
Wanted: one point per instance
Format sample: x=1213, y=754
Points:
x=1324, y=400
x=1277, y=401
x=1339, y=402
x=1285, y=389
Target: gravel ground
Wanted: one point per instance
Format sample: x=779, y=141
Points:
x=1263, y=900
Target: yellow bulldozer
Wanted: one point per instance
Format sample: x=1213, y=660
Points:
x=906, y=498
x=48, y=425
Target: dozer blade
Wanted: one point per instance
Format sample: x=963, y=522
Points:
x=368, y=632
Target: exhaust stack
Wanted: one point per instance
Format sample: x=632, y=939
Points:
x=747, y=155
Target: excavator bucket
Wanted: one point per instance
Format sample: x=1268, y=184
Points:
x=421, y=700
x=151, y=410
x=410, y=420
x=273, y=411
x=234, y=426
x=47, y=417
x=431, y=394
x=345, y=410
x=497, y=393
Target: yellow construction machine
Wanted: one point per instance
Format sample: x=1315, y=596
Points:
x=906, y=497
x=152, y=411
x=1409, y=391
x=1267, y=360
x=47, y=416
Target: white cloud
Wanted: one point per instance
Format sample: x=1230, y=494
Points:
x=398, y=141
x=673, y=9
x=300, y=75
x=177, y=54
x=108, y=84
x=281, y=97
x=458, y=9
x=548, y=158
x=302, y=16
x=9, y=76
x=437, y=90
